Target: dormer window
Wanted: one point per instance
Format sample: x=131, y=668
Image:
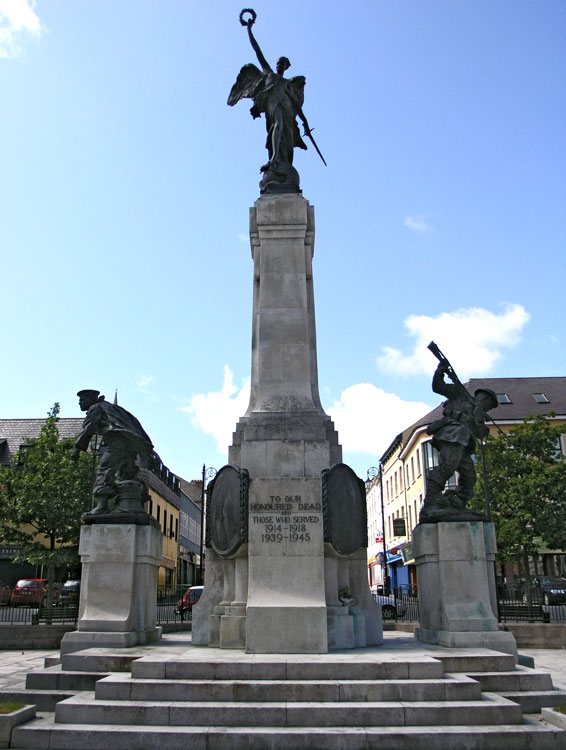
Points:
x=540, y=398
x=503, y=398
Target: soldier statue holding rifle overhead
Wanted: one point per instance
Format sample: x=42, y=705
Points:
x=280, y=100
x=454, y=435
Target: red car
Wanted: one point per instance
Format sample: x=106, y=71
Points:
x=190, y=598
x=29, y=591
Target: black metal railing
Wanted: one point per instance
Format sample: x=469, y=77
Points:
x=519, y=602
x=516, y=603
x=66, y=608
x=402, y=605
x=167, y=598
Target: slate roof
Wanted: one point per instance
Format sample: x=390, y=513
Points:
x=192, y=490
x=522, y=404
x=16, y=432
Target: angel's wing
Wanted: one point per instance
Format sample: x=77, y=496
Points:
x=246, y=84
x=297, y=86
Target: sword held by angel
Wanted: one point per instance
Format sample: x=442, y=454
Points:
x=281, y=100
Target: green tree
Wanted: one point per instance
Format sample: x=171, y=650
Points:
x=526, y=478
x=42, y=497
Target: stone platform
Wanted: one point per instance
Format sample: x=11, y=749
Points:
x=403, y=695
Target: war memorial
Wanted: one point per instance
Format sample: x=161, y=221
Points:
x=287, y=643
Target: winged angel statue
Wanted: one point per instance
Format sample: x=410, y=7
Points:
x=280, y=100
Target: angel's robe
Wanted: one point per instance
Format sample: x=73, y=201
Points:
x=280, y=99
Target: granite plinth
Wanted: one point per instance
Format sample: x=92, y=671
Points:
x=456, y=597
x=118, y=601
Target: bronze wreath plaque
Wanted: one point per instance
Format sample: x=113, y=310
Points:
x=227, y=510
x=344, y=509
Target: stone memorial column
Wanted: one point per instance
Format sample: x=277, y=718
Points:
x=273, y=513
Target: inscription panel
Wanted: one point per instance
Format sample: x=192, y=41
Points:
x=283, y=521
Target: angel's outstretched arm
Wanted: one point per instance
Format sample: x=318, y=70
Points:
x=256, y=48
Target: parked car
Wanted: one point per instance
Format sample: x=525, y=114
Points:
x=5, y=593
x=391, y=608
x=29, y=591
x=549, y=590
x=70, y=593
x=189, y=599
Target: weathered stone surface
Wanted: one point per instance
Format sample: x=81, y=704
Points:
x=455, y=585
x=286, y=599
x=120, y=565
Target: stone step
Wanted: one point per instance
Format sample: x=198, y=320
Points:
x=521, y=678
x=532, y=702
x=490, y=709
x=287, y=669
x=101, y=660
x=118, y=687
x=41, y=734
x=55, y=678
x=45, y=700
x=480, y=660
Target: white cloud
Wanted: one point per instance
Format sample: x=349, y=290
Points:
x=472, y=338
x=243, y=237
x=144, y=380
x=17, y=20
x=216, y=413
x=367, y=418
x=417, y=222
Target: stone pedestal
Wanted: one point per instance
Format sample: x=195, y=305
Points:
x=279, y=592
x=286, y=598
x=118, y=602
x=456, y=586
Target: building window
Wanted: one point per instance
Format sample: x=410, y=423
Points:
x=430, y=456
x=418, y=461
x=164, y=521
x=503, y=398
x=158, y=512
x=412, y=469
x=407, y=475
x=540, y=398
x=410, y=518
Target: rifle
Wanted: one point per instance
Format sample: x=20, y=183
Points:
x=450, y=371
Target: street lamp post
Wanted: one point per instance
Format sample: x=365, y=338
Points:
x=371, y=474
x=207, y=473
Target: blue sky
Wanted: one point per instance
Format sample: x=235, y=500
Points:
x=126, y=184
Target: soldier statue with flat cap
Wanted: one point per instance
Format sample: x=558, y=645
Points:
x=125, y=446
x=454, y=435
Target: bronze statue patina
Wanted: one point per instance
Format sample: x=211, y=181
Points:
x=125, y=443
x=454, y=436
x=280, y=100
